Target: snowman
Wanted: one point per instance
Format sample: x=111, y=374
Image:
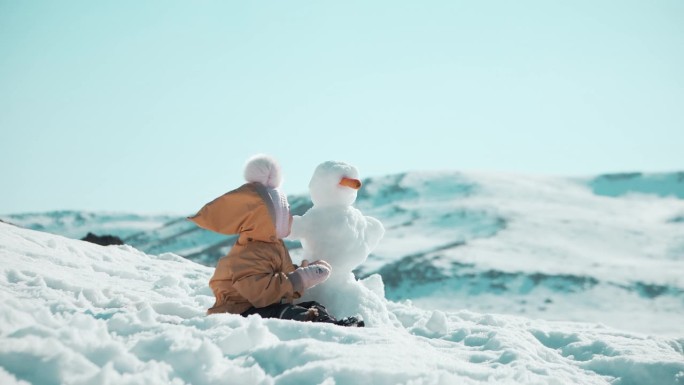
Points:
x=334, y=231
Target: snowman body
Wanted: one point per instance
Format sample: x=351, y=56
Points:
x=335, y=231
x=340, y=235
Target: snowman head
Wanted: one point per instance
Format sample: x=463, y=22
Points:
x=334, y=184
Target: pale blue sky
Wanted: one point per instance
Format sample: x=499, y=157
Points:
x=153, y=106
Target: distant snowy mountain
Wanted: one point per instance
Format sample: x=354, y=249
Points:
x=608, y=249
x=638, y=183
x=76, y=224
x=72, y=312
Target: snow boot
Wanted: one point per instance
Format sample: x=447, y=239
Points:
x=351, y=322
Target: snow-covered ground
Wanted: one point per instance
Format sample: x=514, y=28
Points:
x=77, y=313
x=606, y=250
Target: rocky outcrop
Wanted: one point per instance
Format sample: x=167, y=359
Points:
x=103, y=240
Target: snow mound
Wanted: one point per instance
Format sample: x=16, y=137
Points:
x=77, y=313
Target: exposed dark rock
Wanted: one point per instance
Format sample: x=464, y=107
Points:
x=103, y=240
x=389, y=190
x=564, y=282
x=410, y=271
x=651, y=290
x=621, y=176
x=415, y=269
x=677, y=219
x=9, y=223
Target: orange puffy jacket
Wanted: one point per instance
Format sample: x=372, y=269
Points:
x=254, y=273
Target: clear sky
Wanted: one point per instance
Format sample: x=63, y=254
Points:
x=154, y=106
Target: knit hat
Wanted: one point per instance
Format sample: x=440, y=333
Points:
x=265, y=169
x=281, y=208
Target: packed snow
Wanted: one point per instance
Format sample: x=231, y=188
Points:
x=334, y=231
x=78, y=313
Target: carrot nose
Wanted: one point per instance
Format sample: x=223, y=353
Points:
x=349, y=182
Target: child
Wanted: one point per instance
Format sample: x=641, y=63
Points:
x=258, y=276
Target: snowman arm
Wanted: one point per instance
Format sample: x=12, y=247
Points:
x=374, y=232
x=298, y=227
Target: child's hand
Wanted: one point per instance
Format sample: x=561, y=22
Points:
x=309, y=276
x=320, y=262
x=305, y=263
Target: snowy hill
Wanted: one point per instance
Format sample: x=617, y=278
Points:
x=543, y=247
x=608, y=249
x=77, y=313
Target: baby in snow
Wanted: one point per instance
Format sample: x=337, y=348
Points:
x=258, y=276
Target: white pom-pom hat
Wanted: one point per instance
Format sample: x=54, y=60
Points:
x=263, y=169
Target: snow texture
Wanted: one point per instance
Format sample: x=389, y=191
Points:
x=78, y=313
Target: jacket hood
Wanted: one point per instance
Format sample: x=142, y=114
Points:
x=245, y=211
